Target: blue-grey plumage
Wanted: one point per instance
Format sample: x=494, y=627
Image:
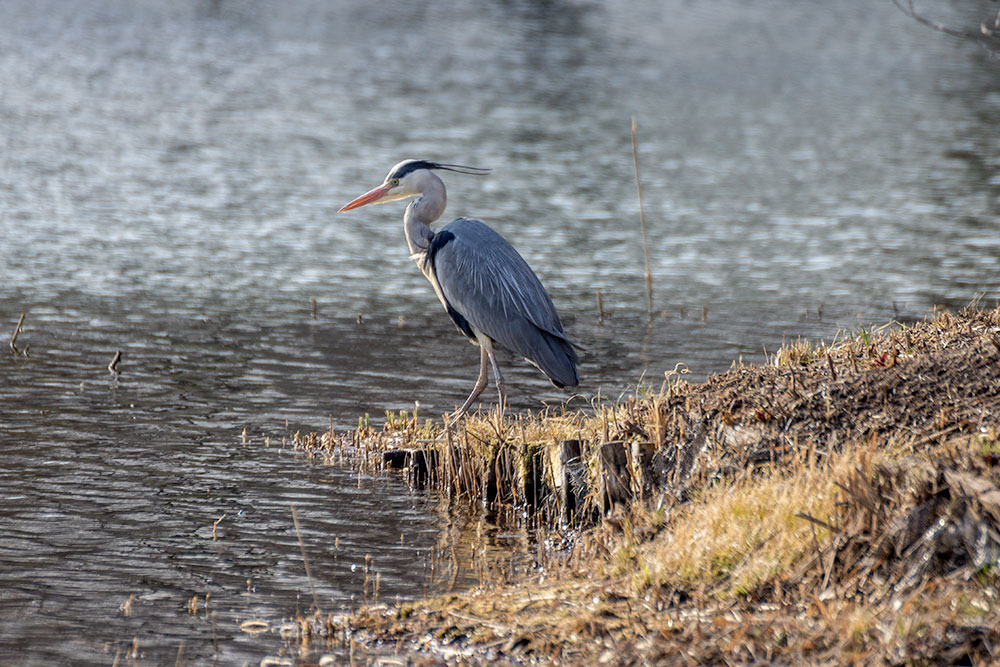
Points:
x=486, y=281
x=485, y=285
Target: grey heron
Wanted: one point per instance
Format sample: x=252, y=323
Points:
x=486, y=287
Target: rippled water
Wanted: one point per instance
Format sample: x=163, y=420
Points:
x=169, y=176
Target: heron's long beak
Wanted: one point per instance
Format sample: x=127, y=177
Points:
x=369, y=197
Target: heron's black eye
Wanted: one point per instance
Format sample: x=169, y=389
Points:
x=395, y=182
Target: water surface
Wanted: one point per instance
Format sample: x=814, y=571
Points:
x=169, y=177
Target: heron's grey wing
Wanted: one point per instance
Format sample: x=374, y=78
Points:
x=485, y=281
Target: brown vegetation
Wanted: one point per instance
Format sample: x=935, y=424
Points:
x=839, y=505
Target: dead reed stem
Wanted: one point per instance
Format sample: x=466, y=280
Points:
x=113, y=365
x=642, y=215
x=305, y=561
x=17, y=330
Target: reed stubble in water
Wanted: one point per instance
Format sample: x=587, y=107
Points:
x=305, y=561
x=17, y=332
x=113, y=364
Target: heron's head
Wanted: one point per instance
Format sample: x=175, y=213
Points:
x=409, y=178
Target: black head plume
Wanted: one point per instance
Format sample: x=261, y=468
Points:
x=459, y=169
x=412, y=165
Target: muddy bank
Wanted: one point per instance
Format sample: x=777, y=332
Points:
x=840, y=504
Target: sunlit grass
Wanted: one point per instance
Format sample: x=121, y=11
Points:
x=739, y=534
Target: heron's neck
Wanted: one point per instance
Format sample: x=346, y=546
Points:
x=421, y=212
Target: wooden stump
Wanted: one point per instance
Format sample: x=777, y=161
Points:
x=417, y=463
x=614, y=481
x=568, y=477
x=644, y=477
x=516, y=476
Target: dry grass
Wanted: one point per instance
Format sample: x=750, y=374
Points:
x=739, y=535
x=738, y=576
x=840, y=505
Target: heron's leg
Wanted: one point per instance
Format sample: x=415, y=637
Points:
x=498, y=377
x=484, y=357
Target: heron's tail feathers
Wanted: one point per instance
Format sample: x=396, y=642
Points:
x=552, y=353
x=557, y=359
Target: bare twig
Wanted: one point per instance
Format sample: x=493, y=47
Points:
x=215, y=526
x=305, y=561
x=934, y=436
x=985, y=37
x=642, y=215
x=818, y=522
x=113, y=366
x=17, y=330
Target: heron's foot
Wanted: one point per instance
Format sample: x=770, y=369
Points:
x=450, y=422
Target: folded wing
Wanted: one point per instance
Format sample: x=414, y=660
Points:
x=487, y=286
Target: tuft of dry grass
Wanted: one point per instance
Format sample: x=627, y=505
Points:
x=740, y=534
x=800, y=353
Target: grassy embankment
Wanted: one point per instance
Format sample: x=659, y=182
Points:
x=839, y=504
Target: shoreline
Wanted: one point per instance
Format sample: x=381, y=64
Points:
x=839, y=504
